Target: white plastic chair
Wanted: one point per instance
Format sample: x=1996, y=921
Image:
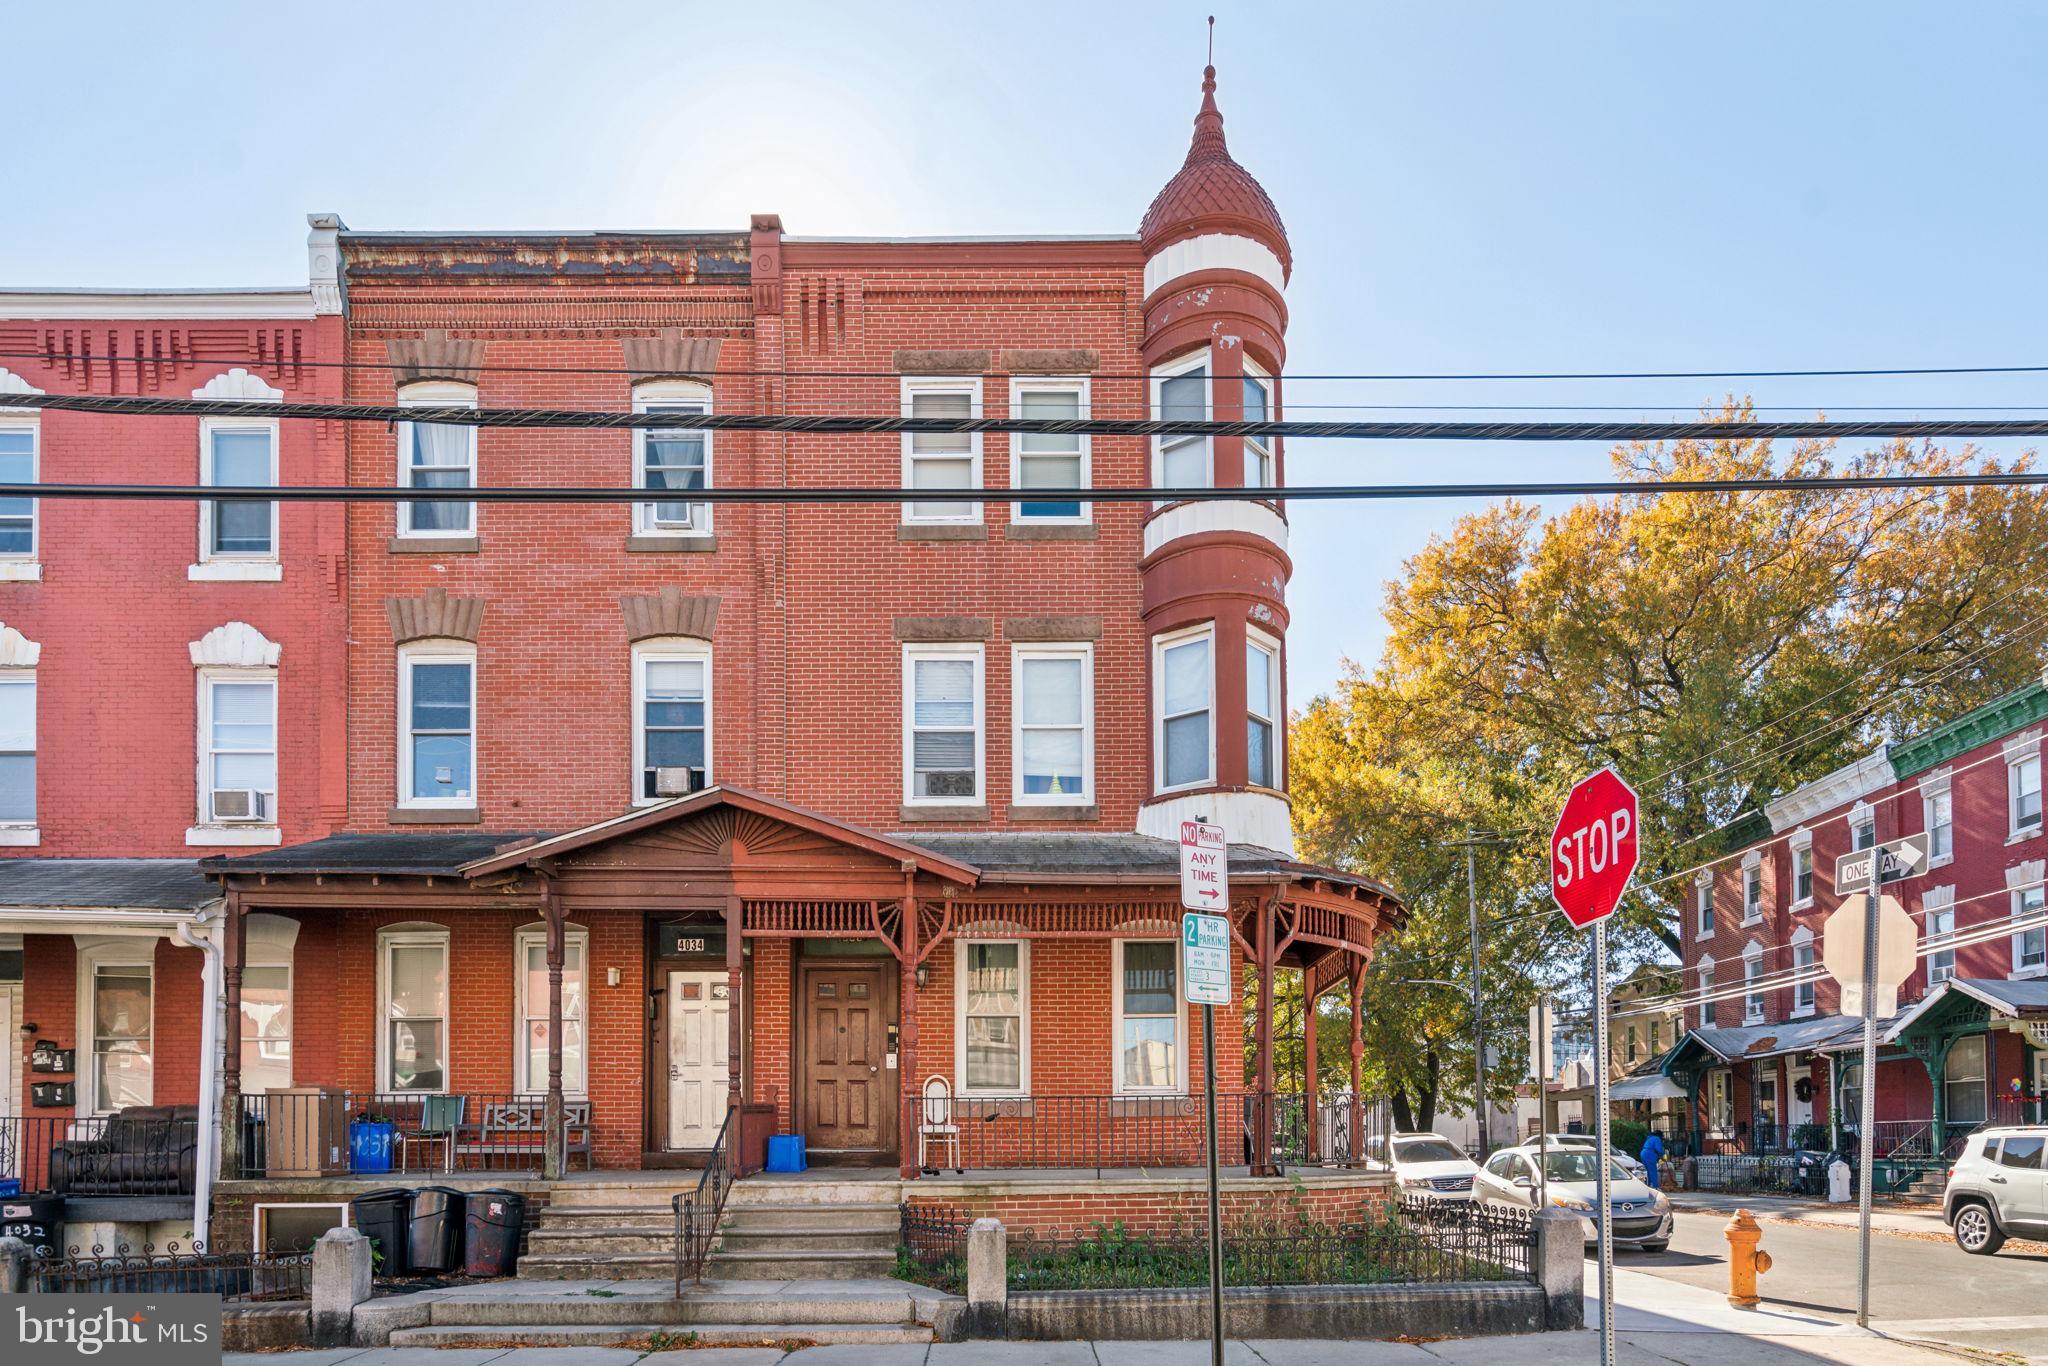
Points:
x=936, y=1127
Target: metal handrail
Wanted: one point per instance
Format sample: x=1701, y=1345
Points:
x=698, y=1212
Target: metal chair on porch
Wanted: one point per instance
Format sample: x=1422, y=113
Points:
x=439, y=1123
x=936, y=1128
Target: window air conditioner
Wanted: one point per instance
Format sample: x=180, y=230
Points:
x=678, y=782
x=237, y=805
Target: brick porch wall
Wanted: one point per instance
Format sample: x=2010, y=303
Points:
x=1158, y=1206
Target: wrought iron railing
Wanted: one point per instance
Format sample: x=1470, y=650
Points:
x=404, y=1133
x=1077, y=1131
x=698, y=1211
x=127, y=1153
x=933, y=1247
x=175, y=1269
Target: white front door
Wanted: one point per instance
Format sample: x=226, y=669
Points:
x=1797, y=1111
x=699, y=1006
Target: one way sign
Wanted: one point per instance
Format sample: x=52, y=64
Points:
x=1204, y=867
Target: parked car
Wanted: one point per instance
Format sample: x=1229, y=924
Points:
x=1591, y=1143
x=1998, y=1189
x=1641, y=1216
x=1428, y=1165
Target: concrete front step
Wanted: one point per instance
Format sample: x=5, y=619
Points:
x=823, y=1238
x=597, y=1267
x=551, y=1242
x=658, y=1334
x=757, y=1191
x=695, y=1307
x=606, y=1216
x=792, y=1265
x=881, y=1214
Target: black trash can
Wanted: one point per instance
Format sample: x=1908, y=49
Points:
x=491, y=1232
x=384, y=1217
x=436, y=1229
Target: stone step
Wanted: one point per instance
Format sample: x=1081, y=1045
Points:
x=819, y=1238
x=597, y=1266
x=696, y=1306
x=793, y=1265
x=755, y=1191
x=550, y=1242
x=616, y=1197
x=640, y=1220
x=878, y=1215
x=659, y=1335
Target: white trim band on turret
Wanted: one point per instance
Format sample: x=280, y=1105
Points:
x=1194, y=519
x=1259, y=818
x=1213, y=251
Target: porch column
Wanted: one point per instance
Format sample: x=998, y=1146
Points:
x=735, y=986
x=233, y=952
x=906, y=1043
x=1262, y=1105
x=553, y=1144
x=1357, y=1055
x=1309, y=1090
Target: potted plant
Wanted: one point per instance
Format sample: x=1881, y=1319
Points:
x=370, y=1136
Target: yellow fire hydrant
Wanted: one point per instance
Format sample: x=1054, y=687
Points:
x=1745, y=1259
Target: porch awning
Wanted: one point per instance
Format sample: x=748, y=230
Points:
x=1653, y=1087
x=1774, y=1040
x=2027, y=999
x=137, y=884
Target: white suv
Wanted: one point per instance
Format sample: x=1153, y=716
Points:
x=1998, y=1189
x=1427, y=1165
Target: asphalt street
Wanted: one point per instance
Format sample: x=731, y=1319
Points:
x=1919, y=1288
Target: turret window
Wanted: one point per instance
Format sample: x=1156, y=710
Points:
x=1183, y=689
x=1261, y=707
x=1258, y=450
x=1181, y=392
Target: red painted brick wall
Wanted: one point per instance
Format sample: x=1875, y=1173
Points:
x=49, y=1000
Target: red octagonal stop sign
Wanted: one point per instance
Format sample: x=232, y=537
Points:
x=1593, y=849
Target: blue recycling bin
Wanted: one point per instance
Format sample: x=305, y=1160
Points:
x=786, y=1152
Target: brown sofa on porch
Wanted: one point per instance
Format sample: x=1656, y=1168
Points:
x=142, y=1150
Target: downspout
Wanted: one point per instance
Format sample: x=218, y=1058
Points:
x=209, y=1048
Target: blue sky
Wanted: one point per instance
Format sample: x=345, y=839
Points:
x=1467, y=187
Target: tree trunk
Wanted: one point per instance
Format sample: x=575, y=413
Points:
x=1434, y=1066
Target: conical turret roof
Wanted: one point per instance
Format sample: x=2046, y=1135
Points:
x=1212, y=193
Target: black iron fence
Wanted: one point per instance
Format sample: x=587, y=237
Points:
x=404, y=1133
x=248, y=1277
x=135, y=1152
x=933, y=1247
x=698, y=1211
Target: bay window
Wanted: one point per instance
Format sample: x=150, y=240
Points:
x=992, y=1022
x=1183, y=700
x=942, y=460
x=435, y=455
x=1151, y=1055
x=1262, y=711
x=1258, y=450
x=437, y=726
x=530, y=951
x=412, y=981
x=671, y=719
x=1053, y=739
x=1049, y=460
x=673, y=460
x=942, y=724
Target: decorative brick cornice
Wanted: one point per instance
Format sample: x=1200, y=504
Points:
x=434, y=615
x=434, y=355
x=942, y=362
x=671, y=355
x=937, y=630
x=671, y=612
x=1075, y=627
x=1987, y=723
x=1074, y=360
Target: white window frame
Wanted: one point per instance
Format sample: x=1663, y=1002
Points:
x=1752, y=888
x=1160, y=645
x=1057, y=384
x=574, y=940
x=1861, y=818
x=681, y=396
x=1938, y=907
x=210, y=427
x=1198, y=359
x=2025, y=880
x=1804, y=959
x=913, y=385
x=207, y=678
x=1720, y=1099
x=271, y=941
x=960, y=1086
x=2021, y=754
x=674, y=650
x=18, y=564
x=977, y=655
x=437, y=652
x=1179, y=1015
x=1703, y=906
x=1935, y=789
x=414, y=936
x=434, y=394
x=1268, y=447
x=1754, y=1005
x=1982, y=1080
x=28, y=833
x=1710, y=1013
x=94, y=953
x=260, y=1216
x=1270, y=647
x=1802, y=848
x=1085, y=652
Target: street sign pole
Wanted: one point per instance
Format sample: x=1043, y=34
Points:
x=1206, y=980
x=1215, y=1194
x=1867, y=1087
x=1606, y=1144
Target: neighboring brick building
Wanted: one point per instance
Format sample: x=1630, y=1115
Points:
x=1969, y=1043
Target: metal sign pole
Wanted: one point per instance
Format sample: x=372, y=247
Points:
x=1543, y=1103
x=1865, y=1139
x=1606, y=1153
x=1215, y=1198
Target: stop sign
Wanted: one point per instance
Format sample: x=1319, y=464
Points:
x=1593, y=849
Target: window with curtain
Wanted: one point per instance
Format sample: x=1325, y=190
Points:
x=1962, y=1082
x=673, y=460
x=241, y=457
x=1183, y=705
x=1051, y=461
x=266, y=1027
x=942, y=460
x=533, y=1011
x=440, y=724
x=1149, y=1016
x=1258, y=450
x=18, y=750
x=992, y=1017
x=416, y=1014
x=18, y=466
x=434, y=455
x=1261, y=694
x=675, y=721
x=241, y=748
x=123, y=1059
x=1053, y=724
x=1184, y=459
x=944, y=726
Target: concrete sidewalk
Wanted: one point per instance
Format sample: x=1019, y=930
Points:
x=1887, y=1217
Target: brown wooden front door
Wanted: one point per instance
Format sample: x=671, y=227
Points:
x=846, y=1085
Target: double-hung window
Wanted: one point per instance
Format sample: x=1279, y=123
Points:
x=531, y=950
x=17, y=515
x=1262, y=711
x=1940, y=905
x=673, y=460
x=1802, y=874
x=1709, y=1012
x=266, y=1028
x=993, y=1022
x=2030, y=918
x=1752, y=890
x=18, y=749
x=1937, y=807
x=437, y=455
x=1149, y=1023
x=942, y=725
x=1752, y=984
x=238, y=746
x=1964, y=1094
x=2023, y=786
x=237, y=454
x=413, y=977
x=1802, y=972
x=123, y=1051
x=942, y=461
x=1183, y=700
x=1053, y=744
x=1703, y=896
x=1258, y=450
x=1042, y=460
x=1180, y=392
x=671, y=720
x=1862, y=828
x=437, y=726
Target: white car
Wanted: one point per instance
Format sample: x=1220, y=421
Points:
x=1641, y=1216
x=1998, y=1188
x=1427, y=1165
x=1591, y=1143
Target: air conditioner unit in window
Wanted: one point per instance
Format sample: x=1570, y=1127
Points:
x=678, y=782
x=239, y=805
